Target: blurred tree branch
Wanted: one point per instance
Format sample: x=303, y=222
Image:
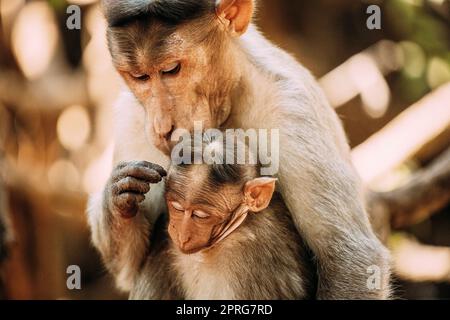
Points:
x=440, y=11
x=422, y=127
x=427, y=192
x=403, y=137
x=417, y=262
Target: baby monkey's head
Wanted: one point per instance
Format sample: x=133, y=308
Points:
x=207, y=202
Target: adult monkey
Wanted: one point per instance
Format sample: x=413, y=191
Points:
x=203, y=60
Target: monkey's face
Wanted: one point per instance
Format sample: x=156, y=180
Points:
x=202, y=205
x=192, y=227
x=178, y=74
x=198, y=213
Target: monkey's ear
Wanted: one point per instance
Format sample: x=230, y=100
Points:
x=258, y=193
x=237, y=12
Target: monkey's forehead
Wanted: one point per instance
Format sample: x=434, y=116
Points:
x=149, y=45
x=119, y=12
x=196, y=179
x=194, y=175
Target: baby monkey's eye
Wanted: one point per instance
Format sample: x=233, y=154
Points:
x=172, y=69
x=200, y=214
x=140, y=77
x=177, y=206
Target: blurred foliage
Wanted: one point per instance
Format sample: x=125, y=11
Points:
x=416, y=21
x=58, y=5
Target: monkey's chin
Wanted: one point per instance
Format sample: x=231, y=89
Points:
x=190, y=251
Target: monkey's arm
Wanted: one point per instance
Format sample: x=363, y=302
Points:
x=124, y=242
x=120, y=221
x=322, y=191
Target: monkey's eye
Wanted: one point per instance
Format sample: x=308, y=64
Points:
x=177, y=206
x=140, y=77
x=200, y=214
x=173, y=69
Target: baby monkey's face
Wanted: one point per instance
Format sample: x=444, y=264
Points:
x=200, y=207
x=198, y=210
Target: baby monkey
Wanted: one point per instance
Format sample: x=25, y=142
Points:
x=229, y=236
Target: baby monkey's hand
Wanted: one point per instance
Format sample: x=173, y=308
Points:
x=128, y=184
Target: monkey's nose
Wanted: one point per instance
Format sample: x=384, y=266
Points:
x=164, y=129
x=184, y=240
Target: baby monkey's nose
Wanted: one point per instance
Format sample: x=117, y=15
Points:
x=184, y=240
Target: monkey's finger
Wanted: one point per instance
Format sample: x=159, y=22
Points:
x=126, y=200
x=121, y=165
x=145, y=164
x=141, y=173
x=155, y=167
x=130, y=184
x=127, y=204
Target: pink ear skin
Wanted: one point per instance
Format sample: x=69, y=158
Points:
x=258, y=193
x=238, y=13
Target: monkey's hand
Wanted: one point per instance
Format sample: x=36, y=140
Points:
x=129, y=183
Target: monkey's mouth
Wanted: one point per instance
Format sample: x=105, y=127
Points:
x=193, y=250
x=190, y=251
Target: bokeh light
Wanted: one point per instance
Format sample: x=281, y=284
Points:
x=414, y=59
x=63, y=175
x=438, y=72
x=34, y=38
x=74, y=127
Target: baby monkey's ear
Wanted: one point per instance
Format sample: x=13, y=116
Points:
x=237, y=12
x=258, y=193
